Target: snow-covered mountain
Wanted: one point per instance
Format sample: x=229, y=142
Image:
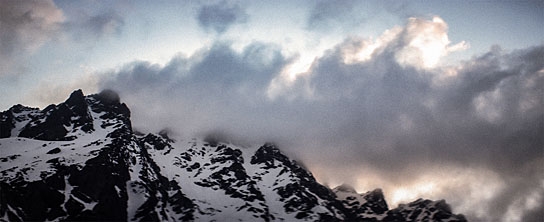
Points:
x=81, y=160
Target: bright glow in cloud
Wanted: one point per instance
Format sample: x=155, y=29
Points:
x=426, y=42
x=282, y=83
x=447, y=182
x=363, y=50
x=407, y=194
x=423, y=43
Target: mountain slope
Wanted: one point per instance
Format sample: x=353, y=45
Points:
x=81, y=160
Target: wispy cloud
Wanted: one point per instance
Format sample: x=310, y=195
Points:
x=330, y=15
x=220, y=16
x=96, y=26
x=24, y=27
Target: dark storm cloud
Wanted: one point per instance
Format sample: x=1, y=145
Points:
x=24, y=27
x=399, y=121
x=220, y=16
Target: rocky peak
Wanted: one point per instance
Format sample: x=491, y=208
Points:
x=375, y=201
x=108, y=103
x=78, y=111
x=269, y=154
x=64, y=121
x=76, y=99
x=366, y=206
x=56, y=121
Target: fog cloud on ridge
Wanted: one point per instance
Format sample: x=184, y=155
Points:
x=387, y=112
x=366, y=114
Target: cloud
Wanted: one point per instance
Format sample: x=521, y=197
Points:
x=93, y=27
x=219, y=84
x=24, y=27
x=330, y=14
x=363, y=113
x=50, y=91
x=349, y=15
x=221, y=16
x=425, y=42
x=421, y=44
x=109, y=22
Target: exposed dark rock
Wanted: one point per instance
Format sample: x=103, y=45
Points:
x=54, y=151
x=6, y=124
x=159, y=143
x=375, y=201
x=300, y=195
x=423, y=210
x=36, y=201
x=17, y=113
x=53, y=121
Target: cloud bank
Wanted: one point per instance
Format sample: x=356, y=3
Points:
x=369, y=110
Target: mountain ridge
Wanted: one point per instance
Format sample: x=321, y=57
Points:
x=81, y=160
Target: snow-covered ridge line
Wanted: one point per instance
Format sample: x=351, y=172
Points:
x=80, y=160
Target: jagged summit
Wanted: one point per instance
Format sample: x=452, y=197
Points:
x=81, y=160
x=65, y=121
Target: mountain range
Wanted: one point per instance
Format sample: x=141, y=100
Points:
x=81, y=160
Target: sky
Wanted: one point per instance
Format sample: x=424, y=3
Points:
x=430, y=99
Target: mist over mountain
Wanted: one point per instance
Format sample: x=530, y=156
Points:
x=82, y=160
x=420, y=99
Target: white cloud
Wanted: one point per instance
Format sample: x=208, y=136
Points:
x=425, y=43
